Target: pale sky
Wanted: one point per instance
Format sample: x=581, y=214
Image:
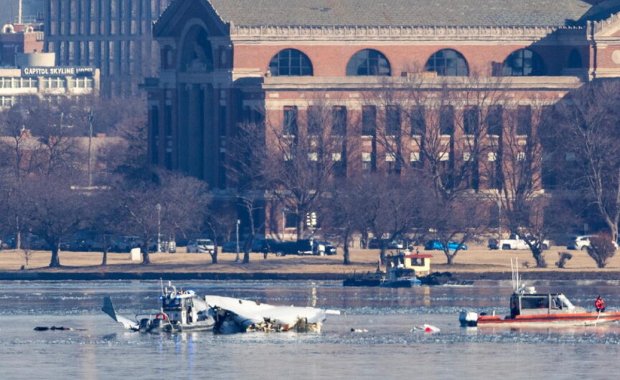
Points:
x=8, y=9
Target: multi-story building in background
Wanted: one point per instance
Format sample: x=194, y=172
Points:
x=36, y=76
x=227, y=62
x=112, y=35
x=19, y=38
x=18, y=11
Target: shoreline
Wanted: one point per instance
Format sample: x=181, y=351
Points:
x=547, y=275
x=477, y=263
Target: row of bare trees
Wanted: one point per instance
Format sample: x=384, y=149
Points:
x=451, y=160
x=50, y=185
x=464, y=160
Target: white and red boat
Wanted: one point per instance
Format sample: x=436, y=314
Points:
x=531, y=309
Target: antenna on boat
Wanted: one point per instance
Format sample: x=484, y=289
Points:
x=514, y=267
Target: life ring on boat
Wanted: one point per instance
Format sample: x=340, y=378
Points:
x=161, y=316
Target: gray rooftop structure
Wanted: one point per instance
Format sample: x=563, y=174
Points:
x=459, y=13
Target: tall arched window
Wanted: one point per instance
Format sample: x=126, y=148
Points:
x=523, y=62
x=290, y=62
x=574, y=60
x=196, y=54
x=448, y=62
x=368, y=62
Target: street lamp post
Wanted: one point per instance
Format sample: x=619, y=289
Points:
x=499, y=219
x=238, y=223
x=158, y=207
x=90, y=142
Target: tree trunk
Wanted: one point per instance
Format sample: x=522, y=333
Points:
x=214, y=255
x=382, y=255
x=55, y=260
x=449, y=257
x=345, y=248
x=538, y=256
x=145, y=255
x=104, y=258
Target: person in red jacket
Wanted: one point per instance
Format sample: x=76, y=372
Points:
x=599, y=304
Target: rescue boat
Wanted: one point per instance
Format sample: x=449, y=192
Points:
x=531, y=309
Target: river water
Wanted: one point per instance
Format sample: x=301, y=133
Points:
x=98, y=348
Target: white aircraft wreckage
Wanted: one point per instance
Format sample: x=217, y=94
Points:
x=239, y=315
x=183, y=310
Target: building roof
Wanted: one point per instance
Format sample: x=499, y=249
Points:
x=464, y=13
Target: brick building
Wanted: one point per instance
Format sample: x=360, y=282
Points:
x=383, y=69
x=19, y=38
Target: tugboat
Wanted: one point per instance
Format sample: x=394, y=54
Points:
x=181, y=311
x=531, y=309
x=401, y=271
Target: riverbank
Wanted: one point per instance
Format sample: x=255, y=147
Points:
x=475, y=263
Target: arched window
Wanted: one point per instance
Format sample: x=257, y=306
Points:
x=574, y=60
x=196, y=54
x=290, y=62
x=523, y=62
x=448, y=62
x=368, y=62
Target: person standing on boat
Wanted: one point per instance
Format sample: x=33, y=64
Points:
x=599, y=304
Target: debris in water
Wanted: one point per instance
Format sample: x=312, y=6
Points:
x=426, y=328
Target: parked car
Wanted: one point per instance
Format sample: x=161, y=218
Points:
x=302, y=247
x=259, y=245
x=493, y=244
x=433, y=245
x=283, y=248
x=517, y=242
x=581, y=242
x=201, y=246
x=35, y=242
x=124, y=243
x=324, y=247
x=262, y=245
x=399, y=244
x=231, y=247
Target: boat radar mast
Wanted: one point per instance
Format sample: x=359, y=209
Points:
x=517, y=286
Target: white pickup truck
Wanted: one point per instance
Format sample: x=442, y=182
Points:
x=516, y=242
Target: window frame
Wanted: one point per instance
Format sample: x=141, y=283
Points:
x=368, y=62
x=291, y=63
x=448, y=62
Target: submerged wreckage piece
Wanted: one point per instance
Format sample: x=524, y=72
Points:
x=185, y=311
x=238, y=315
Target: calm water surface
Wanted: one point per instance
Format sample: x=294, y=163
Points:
x=98, y=348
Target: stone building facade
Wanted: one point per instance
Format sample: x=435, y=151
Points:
x=381, y=67
x=112, y=35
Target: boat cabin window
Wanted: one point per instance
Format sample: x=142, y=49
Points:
x=417, y=261
x=536, y=302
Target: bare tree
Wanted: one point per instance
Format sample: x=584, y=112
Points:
x=345, y=216
x=436, y=132
x=104, y=216
x=248, y=165
x=514, y=172
x=162, y=203
x=583, y=142
x=601, y=249
x=52, y=210
x=305, y=156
